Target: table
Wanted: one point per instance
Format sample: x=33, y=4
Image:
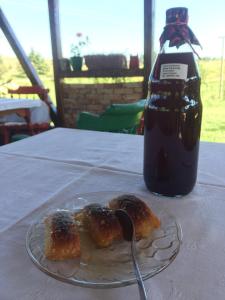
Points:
x=51, y=166
x=8, y=104
x=21, y=111
x=18, y=106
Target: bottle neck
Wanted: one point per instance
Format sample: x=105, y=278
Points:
x=182, y=49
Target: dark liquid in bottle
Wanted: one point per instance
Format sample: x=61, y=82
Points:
x=172, y=129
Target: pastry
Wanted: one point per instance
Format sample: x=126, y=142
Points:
x=102, y=224
x=62, y=240
x=144, y=220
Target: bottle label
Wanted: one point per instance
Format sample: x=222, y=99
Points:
x=174, y=71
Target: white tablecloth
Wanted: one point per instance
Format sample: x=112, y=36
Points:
x=38, y=108
x=44, y=170
x=8, y=104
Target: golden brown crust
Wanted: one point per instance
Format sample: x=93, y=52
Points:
x=102, y=224
x=143, y=218
x=62, y=240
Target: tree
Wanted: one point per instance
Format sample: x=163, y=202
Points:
x=39, y=62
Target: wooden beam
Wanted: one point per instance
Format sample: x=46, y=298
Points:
x=53, y=8
x=148, y=42
x=24, y=60
x=16, y=46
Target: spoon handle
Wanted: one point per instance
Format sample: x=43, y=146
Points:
x=129, y=235
x=140, y=282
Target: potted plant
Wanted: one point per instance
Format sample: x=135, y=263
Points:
x=76, y=51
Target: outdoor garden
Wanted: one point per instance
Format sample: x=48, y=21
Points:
x=212, y=88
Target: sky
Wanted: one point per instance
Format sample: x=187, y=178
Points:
x=112, y=26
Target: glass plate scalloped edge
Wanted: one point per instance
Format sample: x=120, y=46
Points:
x=102, y=269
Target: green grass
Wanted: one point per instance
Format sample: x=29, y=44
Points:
x=213, y=122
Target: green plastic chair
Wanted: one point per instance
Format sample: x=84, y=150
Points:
x=123, y=118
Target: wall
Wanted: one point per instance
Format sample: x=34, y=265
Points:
x=96, y=97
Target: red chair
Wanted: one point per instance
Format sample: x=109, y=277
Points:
x=31, y=90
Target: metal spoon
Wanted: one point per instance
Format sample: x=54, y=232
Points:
x=129, y=235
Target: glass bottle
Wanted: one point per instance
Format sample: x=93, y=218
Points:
x=173, y=112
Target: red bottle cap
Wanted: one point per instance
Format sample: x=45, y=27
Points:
x=176, y=30
x=177, y=15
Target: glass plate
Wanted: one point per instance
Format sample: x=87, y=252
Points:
x=109, y=267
